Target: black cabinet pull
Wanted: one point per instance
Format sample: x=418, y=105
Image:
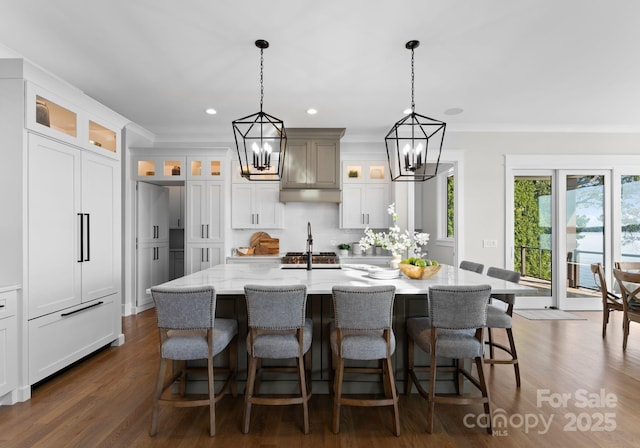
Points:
x=88, y=238
x=81, y=238
x=81, y=309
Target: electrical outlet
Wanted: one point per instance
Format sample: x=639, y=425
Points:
x=489, y=243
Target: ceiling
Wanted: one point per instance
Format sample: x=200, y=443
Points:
x=518, y=65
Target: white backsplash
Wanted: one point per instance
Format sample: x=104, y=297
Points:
x=324, y=219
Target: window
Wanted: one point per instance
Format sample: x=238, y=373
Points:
x=446, y=206
x=450, y=205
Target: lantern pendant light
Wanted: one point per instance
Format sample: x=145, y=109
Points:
x=261, y=138
x=413, y=140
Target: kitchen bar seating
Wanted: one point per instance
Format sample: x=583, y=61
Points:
x=472, y=266
x=362, y=331
x=498, y=317
x=190, y=331
x=457, y=316
x=278, y=329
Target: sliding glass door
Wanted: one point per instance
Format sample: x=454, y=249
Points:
x=560, y=221
x=584, y=213
x=533, y=237
x=629, y=212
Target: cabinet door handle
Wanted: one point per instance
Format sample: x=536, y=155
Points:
x=81, y=238
x=367, y=218
x=207, y=230
x=252, y=219
x=208, y=254
x=88, y=236
x=201, y=255
x=1, y=306
x=201, y=230
x=81, y=309
x=257, y=218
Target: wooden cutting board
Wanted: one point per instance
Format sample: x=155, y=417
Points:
x=256, y=237
x=268, y=246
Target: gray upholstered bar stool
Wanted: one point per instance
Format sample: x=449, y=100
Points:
x=278, y=329
x=472, y=266
x=457, y=316
x=498, y=317
x=190, y=331
x=362, y=331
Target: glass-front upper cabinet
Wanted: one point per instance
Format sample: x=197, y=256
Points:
x=55, y=117
x=102, y=137
x=205, y=168
x=357, y=171
x=159, y=168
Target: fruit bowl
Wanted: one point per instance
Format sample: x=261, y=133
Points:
x=418, y=272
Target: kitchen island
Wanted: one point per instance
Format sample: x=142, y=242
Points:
x=411, y=300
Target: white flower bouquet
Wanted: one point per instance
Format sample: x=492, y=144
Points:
x=394, y=240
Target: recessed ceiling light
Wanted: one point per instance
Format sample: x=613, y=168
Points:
x=312, y=111
x=454, y=111
x=211, y=111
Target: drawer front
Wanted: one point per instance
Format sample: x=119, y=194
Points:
x=59, y=339
x=8, y=304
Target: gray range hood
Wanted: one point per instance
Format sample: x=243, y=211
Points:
x=310, y=195
x=312, y=165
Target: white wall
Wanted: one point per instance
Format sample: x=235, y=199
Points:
x=484, y=189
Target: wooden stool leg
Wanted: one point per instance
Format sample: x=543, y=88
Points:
x=303, y=392
x=394, y=395
x=338, y=395
x=514, y=356
x=248, y=393
x=408, y=379
x=212, y=398
x=485, y=393
x=156, y=396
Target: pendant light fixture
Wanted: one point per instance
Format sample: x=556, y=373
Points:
x=260, y=138
x=413, y=140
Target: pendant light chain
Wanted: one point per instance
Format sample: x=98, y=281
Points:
x=413, y=104
x=261, y=77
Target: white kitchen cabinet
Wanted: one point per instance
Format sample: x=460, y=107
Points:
x=153, y=240
x=153, y=169
x=74, y=217
x=56, y=117
x=63, y=242
x=256, y=205
x=63, y=337
x=203, y=256
x=153, y=214
x=153, y=269
x=364, y=205
x=176, y=207
x=205, y=211
x=205, y=168
x=8, y=346
x=361, y=171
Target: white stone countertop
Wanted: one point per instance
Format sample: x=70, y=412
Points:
x=231, y=279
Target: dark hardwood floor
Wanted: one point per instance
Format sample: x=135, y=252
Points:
x=105, y=401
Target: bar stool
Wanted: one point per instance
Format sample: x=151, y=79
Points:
x=497, y=317
x=278, y=329
x=362, y=331
x=457, y=316
x=189, y=331
x=472, y=266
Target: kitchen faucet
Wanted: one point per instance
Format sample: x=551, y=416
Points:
x=309, y=246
